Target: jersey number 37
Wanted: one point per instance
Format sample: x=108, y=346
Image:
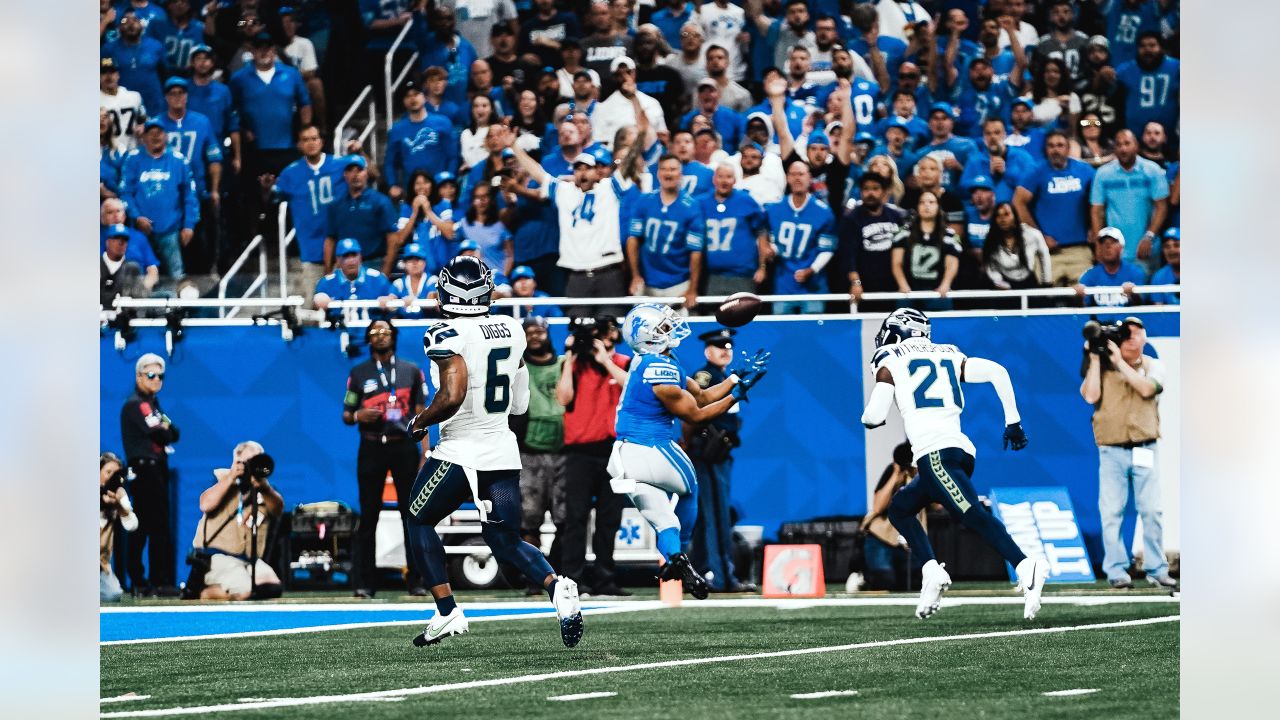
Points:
x=925, y=394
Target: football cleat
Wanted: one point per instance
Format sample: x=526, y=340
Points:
x=1032, y=574
x=441, y=627
x=568, y=610
x=679, y=567
x=934, y=581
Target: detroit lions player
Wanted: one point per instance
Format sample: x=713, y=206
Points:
x=925, y=380
x=646, y=464
x=478, y=369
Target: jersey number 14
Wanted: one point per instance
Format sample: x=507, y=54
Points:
x=930, y=377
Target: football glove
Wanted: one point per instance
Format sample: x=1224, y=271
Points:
x=748, y=363
x=745, y=383
x=417, y=435
x=1014, y=436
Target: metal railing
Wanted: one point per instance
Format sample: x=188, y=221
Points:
x=285, y=239
x=369, y=127
x=392, y=84
x=259, y=282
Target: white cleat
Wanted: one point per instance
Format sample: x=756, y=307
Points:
x=441, y=627
x=568, y=610
x=934, y=581
x=1032, y=574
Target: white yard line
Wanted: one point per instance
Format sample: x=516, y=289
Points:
x=582, y=696
x=823, y=694
x=1067, y=693
x=127, y=697
x=572, y=674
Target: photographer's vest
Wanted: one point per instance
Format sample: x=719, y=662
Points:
x=222, y=531
x=106, y=541
x=1122, y=416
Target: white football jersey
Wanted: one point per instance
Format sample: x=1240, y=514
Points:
x=127, y=112
x=589, y=235
x=926, y=386
x=477, y=436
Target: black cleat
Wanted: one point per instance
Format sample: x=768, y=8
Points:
x=678, y=567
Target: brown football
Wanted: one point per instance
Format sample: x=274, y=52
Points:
x=739, y=309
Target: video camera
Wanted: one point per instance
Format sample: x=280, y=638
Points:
x=1097, y=334
x=259, y=466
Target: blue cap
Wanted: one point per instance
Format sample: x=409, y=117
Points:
x=1025, y=101
x=445, y=176
x=413, y=250
x=466, y=245
x=754, y=144
x=864, y=136
x=897, y=122
x=118, y=230
x=152, y=123
x=201, y=48
x=981, y=181
x=602, y=156
x=175, y=82
x=944, y=107
x=355, y=160
x=286, y=10
x=522, y=271
x=1173, y=233
x=817, y=137
x=346, y=246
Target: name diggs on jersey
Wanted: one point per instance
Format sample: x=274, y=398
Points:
x=494, y=331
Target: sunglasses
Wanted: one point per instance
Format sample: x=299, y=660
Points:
x=153, y=375
x=382, y=331
x=1090, y=123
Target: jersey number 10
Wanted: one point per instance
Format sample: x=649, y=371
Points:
x=930, y=377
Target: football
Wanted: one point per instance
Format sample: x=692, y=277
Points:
x=739, y=309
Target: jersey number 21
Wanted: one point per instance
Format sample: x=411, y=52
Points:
x=930, y=370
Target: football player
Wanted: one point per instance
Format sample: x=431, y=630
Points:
x=646, y=463
x=477, y=367
x=924, y=379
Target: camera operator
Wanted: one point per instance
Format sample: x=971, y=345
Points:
x=230, y=524
x=147, y=434
x=590, y=387
x=113, y=507
x=383, y=393
x=1122, y=384
x=884, y=545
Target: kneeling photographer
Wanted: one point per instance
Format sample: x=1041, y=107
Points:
x=226, y=562
x=114, y=509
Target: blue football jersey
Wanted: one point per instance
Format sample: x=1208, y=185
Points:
x=732, y=227
x=697, y=179
x=642, y=418
x=309, y=191
x=799, y=235
x=193, y=138
x=1151, y=95
x=668, y=233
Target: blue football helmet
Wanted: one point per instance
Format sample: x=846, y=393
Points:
x=465, y=287
x=653, y=328
x=901, y=324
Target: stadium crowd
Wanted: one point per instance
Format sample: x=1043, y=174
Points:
x=843, y=146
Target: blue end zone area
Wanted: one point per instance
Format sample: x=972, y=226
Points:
x=161, y=624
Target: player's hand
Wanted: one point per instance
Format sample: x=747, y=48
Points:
x=747, y=364
x=416, y=433
x=746, y=383
x=1014, y=437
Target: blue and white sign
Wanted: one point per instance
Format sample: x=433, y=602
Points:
x=1043, y=523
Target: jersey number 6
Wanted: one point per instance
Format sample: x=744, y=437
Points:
x=930, y=378
x=497, y=390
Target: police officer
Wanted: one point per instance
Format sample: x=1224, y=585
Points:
x=382, y=394
x=710, y=446
x=147, y=434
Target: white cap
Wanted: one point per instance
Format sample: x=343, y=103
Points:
x=1113, y=233
x=586, y=159
x=619, y=62
x=148, y=360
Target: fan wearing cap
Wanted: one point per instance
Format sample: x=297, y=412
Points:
x=123, y=106
x=979, y=211
x=366, y=215
x=1023, y=132
x=414, y=287
x=137, y=249
x=212, y=98
x=139, y=59
x=544, y=30
x=178, y=32
x=1171, y=273
x=904, y=117
x=1112, y=271
x=525, y=285
x=419, y=140
x=191, y=134
x=625, y=105
x=118, y=274
x=727, y=123
x=665, y=239
x=350, y=281
x=160, y=194
x=954, y=151
x=439, y=45
x=511, y=71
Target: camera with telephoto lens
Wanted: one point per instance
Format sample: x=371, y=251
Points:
x=114, y=483
x=1097, y=334
x=259, y=466
x=583, y=330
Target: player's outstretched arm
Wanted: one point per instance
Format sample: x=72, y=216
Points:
x=982, y=370
x=750, y=367
x=681, y=403
x=447, y=400
x=877, y=410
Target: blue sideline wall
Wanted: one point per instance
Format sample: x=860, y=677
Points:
x=804, y=452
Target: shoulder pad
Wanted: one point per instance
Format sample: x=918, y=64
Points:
x=879, y=357
x=442, y=340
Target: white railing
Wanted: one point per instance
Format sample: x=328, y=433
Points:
x=346, y=118
x=258, y=284
x=392, y=84
x=285, y=239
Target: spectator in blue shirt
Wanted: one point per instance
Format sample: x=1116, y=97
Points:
x=138, y=249
x=665, y=239
x=435, y=84
x=267, y=94
x=159, y=192
x=482, y=226
x=802, y=229
x=1112, y=271
x=420, y=140
x=1171, y=273
x=365, y=215
x=891, y=50
x=525, y=285
x=696, y=176
x=726, y=122
x=981, y=96
x=140, y=60
x=351, y=281
x=1127, y=20
x=737, y=243
x=414, y=287
x=212, y=99
x=1006, y=166
x=536, y=239
x=671, y=18
x=1152, y=87
x=954, y=150
x=147, y=12
x=179, y=32
x=1131, y=193
x=1024, y=134
x=383, y=21
x=440, y=46
x=190, y=134
x=904, y=116
x=979, y=211
x=309, y=184
x=1054, y=199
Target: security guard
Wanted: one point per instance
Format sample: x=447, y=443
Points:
x=710, y=446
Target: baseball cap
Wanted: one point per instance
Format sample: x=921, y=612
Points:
x=286, y=10
x=1173, y=233
x=148, y=360
x=466, y=245
x=752, y=144
x=175, y=82
x=602, y=156
x=570, y=42
x=981, y=181
x=585, y=159
x=118, y=230
x=534, y=321
x=357, y=160
x=107, y=65
x=410, y=86
x=1099, y=40
x=201, y=48
x=500, y=29
x=413, y=250
x=1113, y=233
x=589, y=74
x=942, y=107
x=817, y=137
x=762, y=117
x=445, y=176
x=152, y=123
x=897, y=122
x=262, y=39
x=707, y=82
x=1025, y=101
x=522, y=271
x=621, y=61
x=722, y=337
x=864, y=137
x=347, y=246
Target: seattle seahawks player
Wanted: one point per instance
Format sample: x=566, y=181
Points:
x=925, y=380
x=478, y=369
x=646, y=464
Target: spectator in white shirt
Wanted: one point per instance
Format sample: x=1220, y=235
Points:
x=620, y=108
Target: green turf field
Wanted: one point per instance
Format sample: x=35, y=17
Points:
x=1134, y=668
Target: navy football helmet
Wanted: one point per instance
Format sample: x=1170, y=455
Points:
x=901, y=324
x=465, y=287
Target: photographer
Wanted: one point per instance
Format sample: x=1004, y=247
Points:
x=1122, y=384
x=236, y=512
x=884, y=546
x=113, y=507
x=590, y=387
